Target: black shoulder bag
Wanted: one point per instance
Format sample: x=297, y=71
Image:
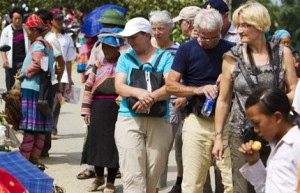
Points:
x=247, y=131
x=150, y=81
x=45, y=95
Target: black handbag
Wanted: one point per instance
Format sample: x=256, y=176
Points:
x=138, y=80
x=45, y=99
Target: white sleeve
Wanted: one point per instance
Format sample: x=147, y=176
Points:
x=3, y=37
x=296, y=102
x=256, y=174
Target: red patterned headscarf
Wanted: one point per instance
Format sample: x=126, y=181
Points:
x=36, y=22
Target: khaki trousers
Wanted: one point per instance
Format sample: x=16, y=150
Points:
x=198, y=141
x=143, y=144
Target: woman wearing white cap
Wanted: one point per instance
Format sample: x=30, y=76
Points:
x=143, y=142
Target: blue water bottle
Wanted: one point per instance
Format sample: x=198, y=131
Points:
x=207, y=107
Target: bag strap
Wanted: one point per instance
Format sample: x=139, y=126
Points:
x=43, y=43
x=133, y=59
x=276, y=62
x=156, y=62
x=245, y=73
x=44, y=73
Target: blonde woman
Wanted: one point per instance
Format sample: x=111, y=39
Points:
x=252, y=20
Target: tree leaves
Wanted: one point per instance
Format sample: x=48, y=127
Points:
x=284, y=17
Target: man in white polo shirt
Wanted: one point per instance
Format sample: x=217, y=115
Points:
x=69, y=54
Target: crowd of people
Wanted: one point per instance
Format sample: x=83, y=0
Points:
x=144, y=93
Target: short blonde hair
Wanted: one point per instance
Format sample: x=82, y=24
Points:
x=253, y=13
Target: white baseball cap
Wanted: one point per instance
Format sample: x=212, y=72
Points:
x=135, y=25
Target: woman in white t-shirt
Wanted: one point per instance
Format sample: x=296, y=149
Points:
x=269, y=113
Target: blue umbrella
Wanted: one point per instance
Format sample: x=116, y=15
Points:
x=91, y=26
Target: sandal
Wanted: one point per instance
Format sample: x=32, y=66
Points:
x=38, y=164
x=99, y=181
x=86, y=174
x=109, y=188
x=41, y=166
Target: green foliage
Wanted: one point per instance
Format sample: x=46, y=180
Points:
x=134, y=7
x=284, y=17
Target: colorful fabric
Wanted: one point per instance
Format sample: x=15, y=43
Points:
x=109, y=36
x=96, y=78
x=31, y=65
x=39, y=141
x=9, y=184
x=32, y=119
x=36, y=22
x=19, y=51
x=278, y=35
x=82, y=58
x=85, y=52
x=27, y=145
x=18, y=37
x=34, y=180
x=32, y=145
x=90, y=41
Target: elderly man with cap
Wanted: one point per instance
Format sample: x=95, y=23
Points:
x=199, y=63
x=186, y=21
x=143, y=141
x=69, y=54
x=229, y=32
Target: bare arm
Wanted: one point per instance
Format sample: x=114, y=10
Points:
x=161, y=93
x=125, y=90
x=223, y=104
x=69, y=72
x=145, y=100
x=60, y=67
x=290, y=73
x=4, y=59
x=174, y=87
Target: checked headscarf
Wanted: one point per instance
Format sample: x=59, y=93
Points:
x=35, y=21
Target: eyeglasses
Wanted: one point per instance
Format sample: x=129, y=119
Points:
x=244, y=25
x=203, y=39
